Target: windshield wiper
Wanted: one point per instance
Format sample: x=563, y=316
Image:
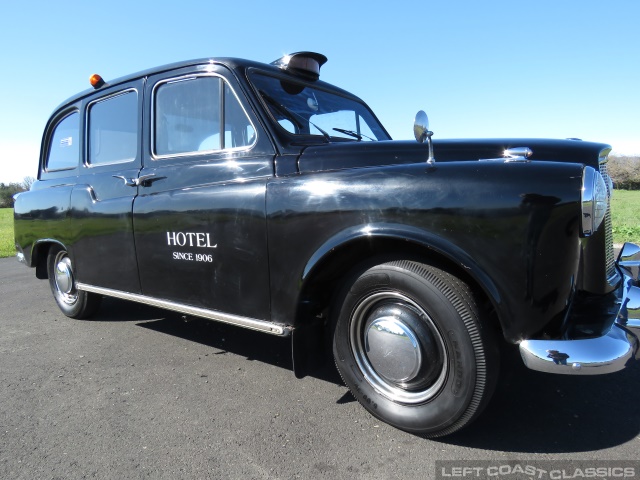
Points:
x=353, y=134
x=294, y=116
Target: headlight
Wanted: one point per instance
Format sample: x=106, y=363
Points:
x=595, y=201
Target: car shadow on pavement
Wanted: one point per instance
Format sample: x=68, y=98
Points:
x=222, y=338
x=116, y=310
x=530, y=412
x=533, y=412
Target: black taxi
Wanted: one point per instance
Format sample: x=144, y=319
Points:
x=258, y=195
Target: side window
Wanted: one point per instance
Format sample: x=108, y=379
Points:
x=64, y=148
x=187, y=116
x=113, y=129
x=199, y=114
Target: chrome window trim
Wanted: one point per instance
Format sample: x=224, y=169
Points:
x=245, y=322
x=155, y=157
x=87, y=140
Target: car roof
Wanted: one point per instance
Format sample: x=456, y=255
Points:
x=234, y=64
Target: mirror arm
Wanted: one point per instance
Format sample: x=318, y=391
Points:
x=421, y=132
x=430, y=160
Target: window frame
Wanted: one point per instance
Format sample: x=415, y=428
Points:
x=194, y=76
x=87, y=126
x=49, y=139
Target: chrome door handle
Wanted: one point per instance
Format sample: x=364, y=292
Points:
x=129, y=182
x=146, y=180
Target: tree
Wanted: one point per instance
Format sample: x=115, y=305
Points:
x=27, y=182
x=7, y=191
x=625, y=172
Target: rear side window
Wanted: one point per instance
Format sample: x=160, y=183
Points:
x=113, y=129
x=64, y=148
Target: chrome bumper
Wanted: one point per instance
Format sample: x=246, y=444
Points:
x=594, y=356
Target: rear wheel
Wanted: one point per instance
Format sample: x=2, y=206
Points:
x=410, y=346
x=74, y=303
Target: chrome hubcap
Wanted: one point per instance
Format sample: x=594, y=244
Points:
x=398, y=348
x=64, y=281
x=64, y=276
x=392, y=347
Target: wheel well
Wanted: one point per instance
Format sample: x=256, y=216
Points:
x=39, y=256
x=321, y=290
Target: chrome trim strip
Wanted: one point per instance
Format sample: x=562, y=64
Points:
x=250, y=323
x=608, y=353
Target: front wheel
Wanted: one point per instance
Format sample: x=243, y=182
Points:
x=410, y=346
x=74, y=303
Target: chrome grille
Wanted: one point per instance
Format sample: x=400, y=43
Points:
x=610, y=257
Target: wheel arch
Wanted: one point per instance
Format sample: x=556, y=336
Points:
x=39, y=253
x=353, y=251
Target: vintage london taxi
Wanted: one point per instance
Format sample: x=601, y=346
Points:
x=258, y=195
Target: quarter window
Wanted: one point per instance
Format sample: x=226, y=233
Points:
x=65, y=144
x=113, y=129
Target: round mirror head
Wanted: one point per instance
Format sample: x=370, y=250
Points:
x=421, y=126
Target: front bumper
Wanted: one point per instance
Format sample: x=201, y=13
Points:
x=608, y=353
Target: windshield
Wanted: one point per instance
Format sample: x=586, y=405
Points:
x=304, y=110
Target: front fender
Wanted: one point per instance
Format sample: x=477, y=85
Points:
x=430, y=243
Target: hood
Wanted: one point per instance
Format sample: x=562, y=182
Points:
x=337, y=156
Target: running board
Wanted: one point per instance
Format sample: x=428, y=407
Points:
x=250, y=323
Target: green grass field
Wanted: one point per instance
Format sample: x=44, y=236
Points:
x=6, y=233
x=626, y=221
x=625, y=205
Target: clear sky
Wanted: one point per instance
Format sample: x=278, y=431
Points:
x=506, y=68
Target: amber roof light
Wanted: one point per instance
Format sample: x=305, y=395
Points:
x=96, y=81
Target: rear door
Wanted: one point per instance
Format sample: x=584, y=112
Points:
x=101, y=213
x=199, y=219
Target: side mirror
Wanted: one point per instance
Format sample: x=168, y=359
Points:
x=421, y=132
x=421, y=126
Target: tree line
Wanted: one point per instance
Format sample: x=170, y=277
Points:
x=8, y=190
x=624, y=171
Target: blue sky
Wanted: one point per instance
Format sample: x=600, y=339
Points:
x=549, y=68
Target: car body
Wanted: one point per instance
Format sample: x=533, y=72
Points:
x=261, y=196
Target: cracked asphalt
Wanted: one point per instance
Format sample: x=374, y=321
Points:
x=139, y=392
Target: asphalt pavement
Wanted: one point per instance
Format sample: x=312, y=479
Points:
x=139, y=392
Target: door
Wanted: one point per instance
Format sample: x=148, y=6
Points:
x=199, y=219
x=102, y=200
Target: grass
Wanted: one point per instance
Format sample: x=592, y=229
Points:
x=7, y=248
x=624, y=204
x=626, y=221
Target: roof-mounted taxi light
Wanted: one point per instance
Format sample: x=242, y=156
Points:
x=304, y=64
x=96, y=81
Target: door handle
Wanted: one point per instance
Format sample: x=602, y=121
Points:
x=146, y=180
x=129, y=182
x=142, y=180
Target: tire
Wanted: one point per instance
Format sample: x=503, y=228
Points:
x=74, y=303
x=409, y=344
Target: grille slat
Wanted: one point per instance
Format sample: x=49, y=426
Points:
x=610, y=257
